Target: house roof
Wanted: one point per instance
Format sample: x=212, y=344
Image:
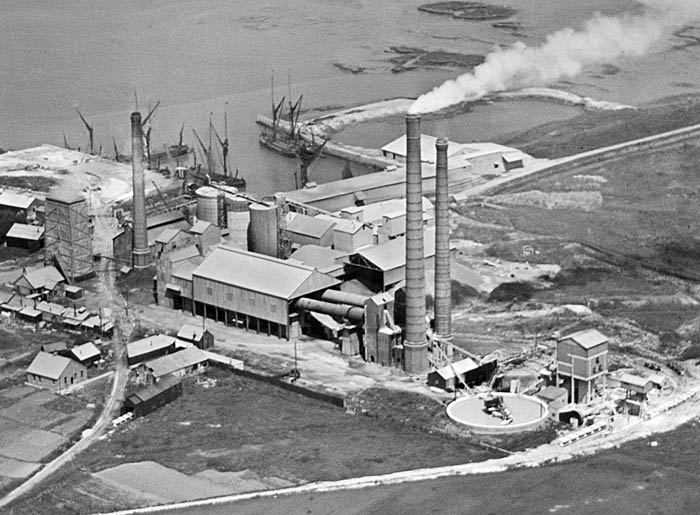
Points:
x=634, y=380
x=311, y=226
x=25, y=232
x=51, y=307
x=167, y=235
x=392, y=254
x=16, y=200
x=183, y=254
x=185, y=269
x=149, y=344
x=588, y=338
x=190, y=332
x=29, y=312
x=260, y=273
x=317, y=256
x=200, y=227
x=154, y=232
x=459, y=367
x=46, y=276
x=153, y=390
x=551, y=393
x=85, y=351
x=48, y=365
x=177, y=361
x=54, y=347
x=164, y=219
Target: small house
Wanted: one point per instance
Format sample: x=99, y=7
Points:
x=201, y=338
x=46, y=282
x=50, y=311
x=554, y=397
x=452, y=375
x=55, y=372
x=59, y=348
x=73, y=292
x=23, y=206
x=86, y=354
x=23, y=236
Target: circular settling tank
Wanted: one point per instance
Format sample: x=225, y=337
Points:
x=524, y=412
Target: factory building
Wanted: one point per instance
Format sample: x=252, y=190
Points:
x=479, y=157
x=325, y=260
x=382, y=266
x=122, y=242
x=252, y=290
x=349, y=235
x=169, y=286
x=582, y=359
x=205, y=235
x=172, y=239
x=23, y=236
x=309, y=230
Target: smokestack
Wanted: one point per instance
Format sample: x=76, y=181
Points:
x=415, y=344
x=443, y=292
x=140, y=251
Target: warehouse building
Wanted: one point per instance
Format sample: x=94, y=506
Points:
x=323, y=259
x=309, y=230
x=181, y=363
x=245, y=289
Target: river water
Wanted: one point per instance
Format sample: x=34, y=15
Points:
x=197, y=55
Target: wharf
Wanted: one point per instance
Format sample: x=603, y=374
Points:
x=365, y=156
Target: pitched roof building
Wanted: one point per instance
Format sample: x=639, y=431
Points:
x=55, y=372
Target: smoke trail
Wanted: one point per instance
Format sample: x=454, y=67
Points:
x=563, y=54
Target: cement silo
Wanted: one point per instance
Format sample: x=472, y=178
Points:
x=263, y=229
x=238, y=218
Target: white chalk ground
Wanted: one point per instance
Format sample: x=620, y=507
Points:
x=101, y=179
x=561, y=96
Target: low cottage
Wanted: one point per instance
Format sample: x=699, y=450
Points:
x=55, y=372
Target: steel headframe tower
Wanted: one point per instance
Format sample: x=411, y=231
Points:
x=415, y=343
x=140, y=251
x=443, y=293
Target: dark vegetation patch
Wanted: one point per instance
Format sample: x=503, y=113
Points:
x=518, y=291
x=137, y=286
x=29, y=182
x=409, y=58
x=592, y=130
x=475, y=11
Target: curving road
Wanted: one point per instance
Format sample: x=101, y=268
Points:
x=123, y=325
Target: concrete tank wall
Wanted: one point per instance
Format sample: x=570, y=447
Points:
x=263, y=230
x=208, y=204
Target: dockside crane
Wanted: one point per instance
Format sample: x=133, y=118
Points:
x=89, y=129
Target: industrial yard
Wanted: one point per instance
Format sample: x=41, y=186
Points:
x=450, y=262
x=324, y=363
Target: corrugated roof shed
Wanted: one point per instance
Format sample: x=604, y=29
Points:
x=459, y=367
x=190, y=332
x=427, y=147
x=167, y=235
x=311, y=226
x=149, y=344
x=85, y=351
x=200, y=227
x=323, y=258
x=392, y=254
x=185, y=269
x=177, y=361
x=551, y=393
x=51, y=307
x=25, y=232
x=148, y=393
x=259, y=273
x=183, y=254
x=54, y=347
x=48, y=365
x=164, y=219
x=16, y=200
x=587, y=338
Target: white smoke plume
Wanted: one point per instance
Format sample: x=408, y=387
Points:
x=563, y=54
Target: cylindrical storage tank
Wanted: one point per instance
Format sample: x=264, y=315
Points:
x=208, y=204
x=238, y=219
x=263, y=230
